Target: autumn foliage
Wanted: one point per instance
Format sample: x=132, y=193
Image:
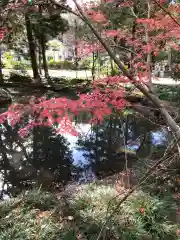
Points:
x=162, y=30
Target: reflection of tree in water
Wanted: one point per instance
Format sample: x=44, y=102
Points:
x=104, y=146
x=51, y=152
x=42, y=158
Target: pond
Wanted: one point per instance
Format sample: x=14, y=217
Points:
x=50, y=160
x=46, y=158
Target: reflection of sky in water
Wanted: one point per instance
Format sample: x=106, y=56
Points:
x=83, y=129
x=158, y=138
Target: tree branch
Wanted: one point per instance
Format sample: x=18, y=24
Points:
x=168, y=119
x=167, y=12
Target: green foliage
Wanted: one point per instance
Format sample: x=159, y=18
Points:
x=40, y=200
x=139, y=217
x=76, y=81
x=85, y=63
x=59, y=80
x=10, y=63
x=17, y=78
x=40, y=215
x=176, y=74
x=161, y=56
x=106, y=69
x=152, y=215
x=48, y=24
x=61, y=65
x=169, y=93
x=23, y=220
x=7, y=60
x=20, y=65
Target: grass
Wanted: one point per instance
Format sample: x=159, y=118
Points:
x=42, y=216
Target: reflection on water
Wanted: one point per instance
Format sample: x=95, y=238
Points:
x=84, y=130
x=46, y=159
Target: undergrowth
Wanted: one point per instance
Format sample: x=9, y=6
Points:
x=80, y=215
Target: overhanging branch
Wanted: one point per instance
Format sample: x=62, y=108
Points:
x=168, y=119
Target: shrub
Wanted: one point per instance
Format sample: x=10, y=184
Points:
x=75, y=81
x=106, y=69
x=61, y=64
x=40, y=199
x=7, y=60
x=151, y=215
x=85, y=64
x=17, y=78
x=10, y=63
x=59, y=80
x=20, y=65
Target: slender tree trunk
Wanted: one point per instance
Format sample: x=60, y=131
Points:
x=45, y=66
x=76, y=50
x=39, y=57
x=133, y=38
x=93, y=66
x=32, y=48
x=149, y=54
x=112, y=67
x=43, y=51
x=1, y=74
x=170, y=58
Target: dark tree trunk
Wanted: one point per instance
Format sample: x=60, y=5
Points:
x=40, y=58
x=32, y=48
x=43, y=51
x=133, y=38
x=43, y=48
x=93, y=66
x=76, y=50
x=1, y=74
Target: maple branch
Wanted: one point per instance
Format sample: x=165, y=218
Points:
x=169, y=120
x=167, y=12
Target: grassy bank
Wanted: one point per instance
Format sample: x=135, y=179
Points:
x=79, y=215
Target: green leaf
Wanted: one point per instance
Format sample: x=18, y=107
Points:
x=70, y=235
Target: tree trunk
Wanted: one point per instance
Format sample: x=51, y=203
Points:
x=45, y=66
x=93, y=66
x=39, y=57
x=1, y=74
x=170, y=58
x=32, y=48
x=149, y=54
x=43, y=51
x=133, y=38
x=76, y=50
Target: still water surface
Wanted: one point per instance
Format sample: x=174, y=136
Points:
x=98, y=151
